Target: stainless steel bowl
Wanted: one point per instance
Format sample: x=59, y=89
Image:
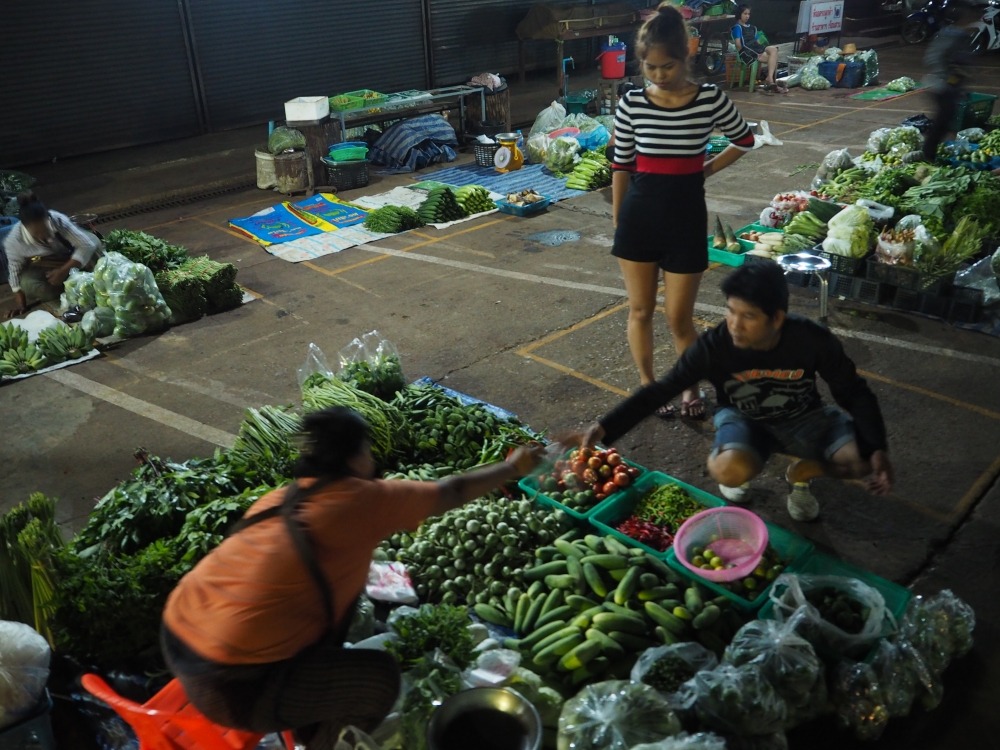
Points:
x=502, y=704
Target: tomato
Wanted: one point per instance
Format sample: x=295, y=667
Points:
x=578, y=466
x=622, y=479
x=590, y=476
x=609, y=488
x=583, y=453
x=594, y=462
x=605, y=471
x=634, y=472
x=614, y=459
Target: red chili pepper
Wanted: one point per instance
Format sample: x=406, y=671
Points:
x=651, y=534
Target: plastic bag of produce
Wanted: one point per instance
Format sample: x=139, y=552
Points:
x=901, y=84
x=352, y=738
x=99, y=322
x=738, y=700
x=669, y=668
x=902, y=673
x=24, y=670
x=537, y=146
x=980, y=275
x=811, y=79
x=546, y=701
x=853, y=226
x=130, y=290
x=363, y=621
x=548, y=119
x=315, y=364
x=562, y=154
x=78, y=291
x=833, y=163
x=284, y=138
x=839, y=615
x=685, y=741
x=787, y=660
x=940, y=627
x=972, y=135
x=615, y=715
x=868, y=58
x=372, y=364
x=858, y=700
x=878, y=141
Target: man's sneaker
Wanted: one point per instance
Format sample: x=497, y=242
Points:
x=735, y=494
x=802, y=505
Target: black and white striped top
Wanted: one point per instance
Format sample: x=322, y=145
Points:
x=654, y=139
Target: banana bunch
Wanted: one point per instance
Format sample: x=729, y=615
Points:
x=61, y=343
x=474, y=199
x=21, y=360
x=440, y=206
x=12, y=337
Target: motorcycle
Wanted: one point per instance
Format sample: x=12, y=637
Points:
x=924, y=23
x=985, y=35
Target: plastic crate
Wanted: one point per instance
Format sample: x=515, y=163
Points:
x=903, y=277
x=869, y=292
x=529, y=209
x=973, y=111
x=727, y=258
x=897, y=598
x=793, y=550
x=368, y=97
x=346, y=175
x=485, y=153
x=31, y=732
x=905, y=299
x=529, y=485
x=844, y=264
x=349, y=151
x=966, y=305
x=343, y=103
x=617, y=508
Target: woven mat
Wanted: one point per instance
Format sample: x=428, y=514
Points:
x=882, y=94
x=531, y=176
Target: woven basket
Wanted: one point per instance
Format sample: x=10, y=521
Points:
x=485, y=153
x=346, y=175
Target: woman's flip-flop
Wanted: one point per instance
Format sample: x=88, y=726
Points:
x=695, y=408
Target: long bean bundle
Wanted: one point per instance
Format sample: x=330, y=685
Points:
x=266, y=439
x=390, y=430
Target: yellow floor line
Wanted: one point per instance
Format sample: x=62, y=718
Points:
x=931, y=394
x=575, y=373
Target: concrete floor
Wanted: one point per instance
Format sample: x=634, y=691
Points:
x=539, y=330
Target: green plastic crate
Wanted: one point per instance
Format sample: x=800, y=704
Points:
x=727, y=258
x=343, y=103
x=974, y=111
x=529, y=485
x=368, y=97
x=793, y=550
x=618, y=507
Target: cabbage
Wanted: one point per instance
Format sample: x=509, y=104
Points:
x=903, y=84
x=851, y=230
x=561, y=155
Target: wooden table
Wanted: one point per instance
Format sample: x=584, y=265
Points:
x=567, y=34
x=709, y=27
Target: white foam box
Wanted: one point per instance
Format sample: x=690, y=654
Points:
x=307, y=108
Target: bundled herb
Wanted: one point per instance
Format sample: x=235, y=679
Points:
x=392, y=219
x=218, y=281
x=430, y=628
x=382, y=377
x=184, y=295
x=29, y=537
x=154, y=253
x=266, y=439
x=964, y=243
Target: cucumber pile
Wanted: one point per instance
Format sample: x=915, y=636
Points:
x=440, y=207
x=392, y=219
x=474, y=199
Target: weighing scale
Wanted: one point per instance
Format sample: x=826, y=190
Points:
x=508, y=157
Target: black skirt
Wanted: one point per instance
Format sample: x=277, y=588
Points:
x=663, y=220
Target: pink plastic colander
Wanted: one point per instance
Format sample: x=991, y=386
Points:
x=736, y=535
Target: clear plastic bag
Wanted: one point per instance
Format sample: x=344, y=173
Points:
x=869, y=58
x=971, y=135
x=980, y=275
x=493, y=668
x=766, y=137
x=315, y=364
x=130, y=290
x=615, y=715
x=24, y=670
x=787, y=660
x=372, y=364
x=548, y=119
x=562, y=154
x=78, y=291
x=833, y=163
x=858, y=700
x=685, y=741
x=792, y=593
x=390, y=582
x=362, y=621
x=284, y=138
x=352, y=738
x=738, y=700
x=940, y=627
x=681, y=662
x=99, y=322
x=902, y=673
x=537, y=147
x=878, y=141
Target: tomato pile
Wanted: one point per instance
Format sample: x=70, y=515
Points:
x=587, y=476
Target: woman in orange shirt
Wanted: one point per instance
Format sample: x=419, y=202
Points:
x=255, y=631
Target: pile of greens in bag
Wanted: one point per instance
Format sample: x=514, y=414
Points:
x=78, y=291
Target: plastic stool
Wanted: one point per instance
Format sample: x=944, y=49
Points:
x=32, y=732
x=737, y=71
x=810, y=264
x=168, y=721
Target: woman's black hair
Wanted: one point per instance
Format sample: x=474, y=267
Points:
x=740, y=8
x=665, y=29
x=762, y=284
x=332, y=437
x=30, y=209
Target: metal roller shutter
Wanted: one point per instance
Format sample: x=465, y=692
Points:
x=88, y=77
x=252, y=57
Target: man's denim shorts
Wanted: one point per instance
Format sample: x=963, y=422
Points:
x=817, y=434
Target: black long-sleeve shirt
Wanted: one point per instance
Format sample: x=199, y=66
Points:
x=769, y=386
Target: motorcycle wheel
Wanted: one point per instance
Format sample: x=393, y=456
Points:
x=914, y=31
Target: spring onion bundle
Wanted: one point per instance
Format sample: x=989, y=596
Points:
x=218, y=282
x=392, y=219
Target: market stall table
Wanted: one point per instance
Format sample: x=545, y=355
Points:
x=708, y=27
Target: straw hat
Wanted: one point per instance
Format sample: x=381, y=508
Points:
x=849, y=49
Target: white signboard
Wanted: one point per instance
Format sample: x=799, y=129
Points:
x=820, y=17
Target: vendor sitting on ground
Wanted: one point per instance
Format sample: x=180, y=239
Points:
x=745, y=35
x=255, y=632
x=41, y=251
x=764, y=364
